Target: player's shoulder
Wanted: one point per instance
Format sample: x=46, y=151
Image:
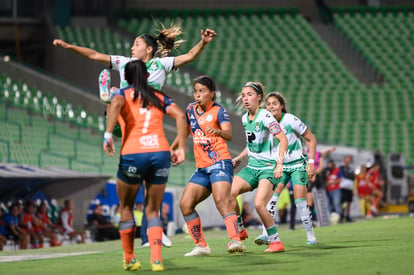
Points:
x=265, y=114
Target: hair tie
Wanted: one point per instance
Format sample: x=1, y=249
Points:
x=258, y=90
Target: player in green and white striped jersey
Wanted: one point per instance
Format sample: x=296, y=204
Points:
x=296, y=167
x=264, y=167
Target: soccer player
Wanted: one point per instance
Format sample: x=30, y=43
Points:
x=265, y=163
x=11, y=228
x=65, y=222
x=145, y=156
x=375, y=182
x=28, y=222
x=210, y=127
x=146, y=48
x=295, y=167
x=46, y=226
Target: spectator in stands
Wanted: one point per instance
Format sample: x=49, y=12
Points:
x=249, y=219
x=376, y=183
x=317, y=180
x=148, y=160
x=28, y=221
x=138, y=217
x=46, y=227
x=65, y=222
x=12, y=230
x=333, y=188
x=165, y=216
x=104, y=228
x=3, y=232
x=347, y=175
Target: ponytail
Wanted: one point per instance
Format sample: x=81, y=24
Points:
x=136, y=75
x=164, y=42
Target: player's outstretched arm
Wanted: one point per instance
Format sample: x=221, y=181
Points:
x=206, y=37
x=85, y=52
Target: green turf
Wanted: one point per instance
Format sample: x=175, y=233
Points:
x=381, y=246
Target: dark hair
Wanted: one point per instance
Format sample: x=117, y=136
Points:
x=281, y=99
x=165, y=40
x=136, y=75
x=29, y=203
x=206, y=81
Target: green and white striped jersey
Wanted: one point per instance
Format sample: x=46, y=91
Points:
x=293, y=128
x=158, y=68
x=262, y=147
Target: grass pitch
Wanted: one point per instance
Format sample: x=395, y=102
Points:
x=381, y=246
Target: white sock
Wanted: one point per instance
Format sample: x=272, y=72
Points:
x=271, y=207
x=306, y=218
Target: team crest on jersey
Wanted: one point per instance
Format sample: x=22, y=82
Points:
x=257, y=127
x=153, y=66
x=209, y=118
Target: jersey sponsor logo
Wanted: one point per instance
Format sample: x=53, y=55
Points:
x=149, y=141
x=132, y=172
x=250, y=136
x=192, y=116
x=201, y=120
x=200, y=138
x=163, y=172
x=193, y=124
x=209, y=118
x=221, y=174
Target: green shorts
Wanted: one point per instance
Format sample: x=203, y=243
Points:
x=253, y=176
x=295, y=171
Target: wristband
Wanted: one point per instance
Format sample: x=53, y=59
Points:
x=311, y=161
x=107, y=135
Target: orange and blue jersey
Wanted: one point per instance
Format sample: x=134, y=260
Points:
x=208, y=148
x=142, y=130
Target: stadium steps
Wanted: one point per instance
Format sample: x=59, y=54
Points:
x=344, y=49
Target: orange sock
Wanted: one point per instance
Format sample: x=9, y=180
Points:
x=127, y=240
x=196, y=231
x=232, y=226
x=155, y=240
x=377, y=200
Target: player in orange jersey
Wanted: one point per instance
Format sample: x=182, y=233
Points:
x=210, y=126
x=145, y=156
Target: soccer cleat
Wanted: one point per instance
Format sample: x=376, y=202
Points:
x=275, y=246
x=262, y=239
x=133, y=265
x=199, y=250
x=104, y=81
x=166, y=241
x=311, y=242
x=374, y=209
x=235, y=246
x=243, y=234
x=157, y=266
x=147, y=244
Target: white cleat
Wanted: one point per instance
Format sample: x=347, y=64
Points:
x=166, y=241
x=235, y=246
x=199, y=251
x=104, y=81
